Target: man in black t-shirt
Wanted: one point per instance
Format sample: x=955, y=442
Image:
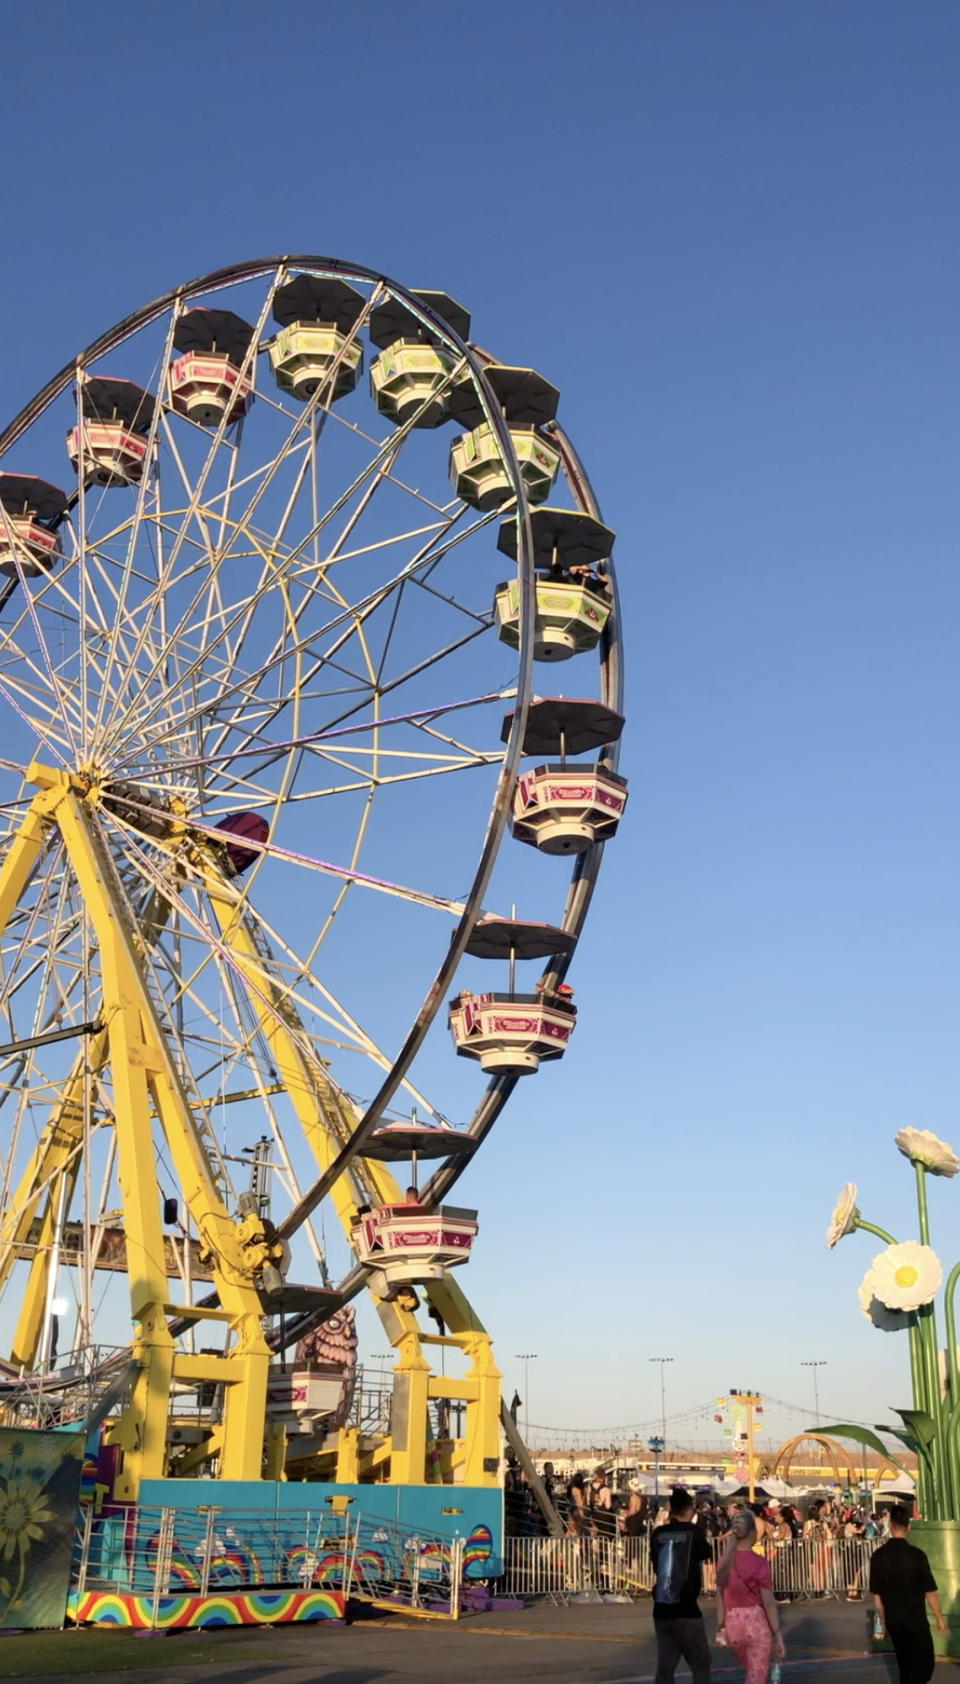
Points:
x=677, y=1552
x=902, y=1585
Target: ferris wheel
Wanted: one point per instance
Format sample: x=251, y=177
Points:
x=286, y=788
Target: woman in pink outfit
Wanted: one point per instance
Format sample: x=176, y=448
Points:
x=747, y=1615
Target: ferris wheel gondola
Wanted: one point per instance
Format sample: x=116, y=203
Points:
x=252, y=683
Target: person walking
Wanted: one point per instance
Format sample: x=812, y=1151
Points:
x=902, y=1585
x=747, y=1615
x=677, y=1554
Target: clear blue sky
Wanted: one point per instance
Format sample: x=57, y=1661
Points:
x=729, y=233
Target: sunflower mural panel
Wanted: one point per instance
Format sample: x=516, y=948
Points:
x=39, y=1493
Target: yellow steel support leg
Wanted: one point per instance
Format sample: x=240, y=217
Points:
x=23, y=853
x=26, y=1339
x=63, y=1135
x=408, y=1425
x=144, y=1079
x=58, y=1146
x=481, y=1464
x=348, y=1456
x=143, y=1430
x=276, y=1451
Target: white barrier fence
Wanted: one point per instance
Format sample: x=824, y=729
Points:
x=563, y=1567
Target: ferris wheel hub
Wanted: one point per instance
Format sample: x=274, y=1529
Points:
x=138, y=807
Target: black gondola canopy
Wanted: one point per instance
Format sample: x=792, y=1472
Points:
x=394, y=1142
x=524, y=395
x=526, y=399
x=393, y=320
x=574, y=538
x=505, y=938
x=213, y=330
x=566, y=725
x=318, y=298
x=291, y=1299
x=23, y=494
x=103, y=398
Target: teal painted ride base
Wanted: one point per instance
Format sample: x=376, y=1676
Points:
x=453, y=1511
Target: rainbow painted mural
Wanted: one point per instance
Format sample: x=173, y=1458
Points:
x=224, y=1608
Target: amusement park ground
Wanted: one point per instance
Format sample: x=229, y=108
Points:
x=608, y=1644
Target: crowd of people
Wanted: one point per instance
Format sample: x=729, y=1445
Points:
x=589, y=1507
x=748, y=1610
x=740, y=1551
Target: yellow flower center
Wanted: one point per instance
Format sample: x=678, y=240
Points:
x=906, y=1275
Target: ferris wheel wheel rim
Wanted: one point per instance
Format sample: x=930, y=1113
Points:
x=499, y=1088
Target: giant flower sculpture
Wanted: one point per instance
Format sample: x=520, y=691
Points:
x=924, y=1148
x=888, y=1321
x=899, y=1294
x=845, y=1214
x=904, y=1277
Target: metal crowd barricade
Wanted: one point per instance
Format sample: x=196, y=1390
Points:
x=157, y=1552
x=561, y=1568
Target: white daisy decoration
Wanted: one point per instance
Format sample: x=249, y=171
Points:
x=905, y=1277
x=844, y=1218
x=922, y=1147
x=888, y=1321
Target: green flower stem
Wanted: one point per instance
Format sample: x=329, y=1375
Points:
x=927, y=1319
x=921, y=1176
x=939, y=1508
x=951, y=1319
x=871, y=1228
x=952, y=1433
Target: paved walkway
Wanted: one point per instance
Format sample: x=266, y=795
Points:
x=589, y=1644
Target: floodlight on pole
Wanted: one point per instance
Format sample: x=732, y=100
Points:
x=819, y=1362
x=526, y=1357
x=663, y=1394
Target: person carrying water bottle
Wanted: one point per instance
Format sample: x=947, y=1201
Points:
x=747, y=1615
x=903, y=1585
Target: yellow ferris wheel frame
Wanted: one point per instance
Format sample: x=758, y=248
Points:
x=130, y=1040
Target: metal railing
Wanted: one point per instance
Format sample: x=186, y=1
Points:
x=68, y=1392
x=155, y=1553
x=563, y=1567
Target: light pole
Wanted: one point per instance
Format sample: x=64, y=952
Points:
x=663, y=1394
x=821, y=1362
x=656, y=1446
x=526, y=1357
